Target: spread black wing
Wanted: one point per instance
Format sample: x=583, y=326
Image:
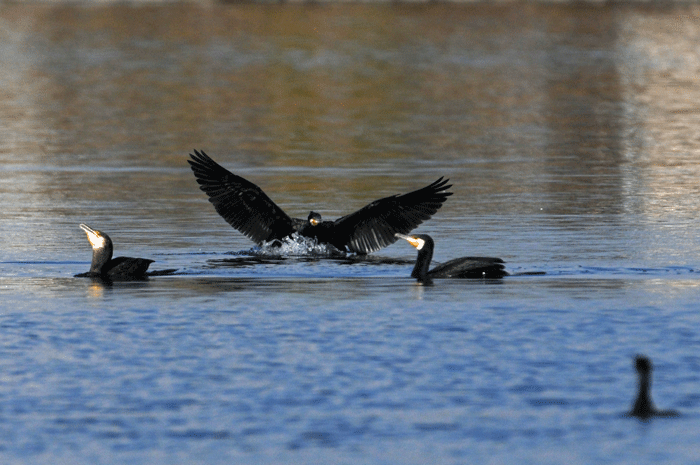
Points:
x=240, y=202
x=373, y=227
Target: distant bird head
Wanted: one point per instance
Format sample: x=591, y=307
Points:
x=642, y=364
x=314, y=218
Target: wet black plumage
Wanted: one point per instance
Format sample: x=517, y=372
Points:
x=464, y=267
x=114, y=269
x=249, y=210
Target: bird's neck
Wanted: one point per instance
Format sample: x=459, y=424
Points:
x=644, y=406
x=99, y=258
x=420, y=271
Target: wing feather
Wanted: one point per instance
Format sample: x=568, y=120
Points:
x=240, y=202
x=374, y=226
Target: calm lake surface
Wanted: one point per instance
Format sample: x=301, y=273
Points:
x=570, y=135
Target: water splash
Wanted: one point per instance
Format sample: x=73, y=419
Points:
x=295, y=246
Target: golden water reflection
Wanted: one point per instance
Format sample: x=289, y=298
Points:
x=560, y=109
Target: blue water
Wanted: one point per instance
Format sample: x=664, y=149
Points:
x=571, y=153
x=303, y=369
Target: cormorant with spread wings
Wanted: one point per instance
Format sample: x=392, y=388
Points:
x=249, y=210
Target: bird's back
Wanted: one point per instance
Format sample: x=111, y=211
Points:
x=470, y=267
x=126, y=268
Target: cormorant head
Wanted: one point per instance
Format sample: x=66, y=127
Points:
x=418, y=241
x=314, y=219
x=424, y=244
x=98, y=240
x=101, y=248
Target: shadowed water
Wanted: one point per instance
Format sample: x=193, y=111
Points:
x=568, y=133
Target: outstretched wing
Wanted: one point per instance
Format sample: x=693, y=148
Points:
x=240, y=202
x=373, y=227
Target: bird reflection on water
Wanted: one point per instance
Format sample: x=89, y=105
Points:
x=246, y=259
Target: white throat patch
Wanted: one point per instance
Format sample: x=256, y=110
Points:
x=420, y=242
x=97, y=242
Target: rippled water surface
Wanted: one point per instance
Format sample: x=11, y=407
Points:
x=569, y=135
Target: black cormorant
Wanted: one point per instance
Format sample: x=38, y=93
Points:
x=465, y=267
x=105, y=267
x=249, y=210
x=643, y=406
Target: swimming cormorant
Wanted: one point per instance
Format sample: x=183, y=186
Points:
x=249, y=210
x=465, y=267
x=643, y=406
x=105, y=267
